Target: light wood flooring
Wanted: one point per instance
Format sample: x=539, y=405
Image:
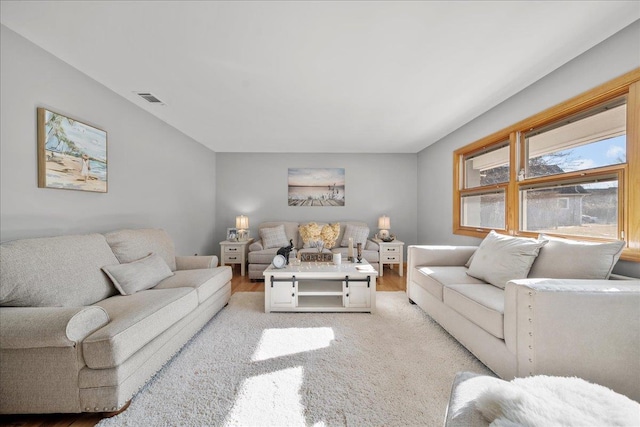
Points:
x=389, y=282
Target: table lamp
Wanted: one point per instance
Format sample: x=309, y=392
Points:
x=384, y=224
x=242, y=223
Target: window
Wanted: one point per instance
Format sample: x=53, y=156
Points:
x=588, y=140
x=588, y=209
x=572, y=170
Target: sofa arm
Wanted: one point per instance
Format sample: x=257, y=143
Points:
x=256, y=246
x=38, y=327
x=196, y=262
x=583, y=328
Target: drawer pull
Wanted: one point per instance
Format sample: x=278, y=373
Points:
x=233, y=249
x=233, y=257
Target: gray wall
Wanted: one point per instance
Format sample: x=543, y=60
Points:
x=611, y=58
x=375, y=184
x=158, y=177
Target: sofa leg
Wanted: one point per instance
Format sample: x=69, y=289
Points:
x=114, y=413
x=411, y=301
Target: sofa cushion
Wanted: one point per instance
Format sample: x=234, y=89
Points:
x=359, y=233
x=481, y=304
x=206, y=281
x=138, y=275
x=59, y=271
x=135, y=320
x=572, y=259
x=273, y=237
x=131, y=245
x=502, y=258
x=433, y=279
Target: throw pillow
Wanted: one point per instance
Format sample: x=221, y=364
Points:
x=329, y=234
x=572, y=259
x=309, y=233
x=138, y=275
x=273, y=237
x=502, y=258
x=359, y=234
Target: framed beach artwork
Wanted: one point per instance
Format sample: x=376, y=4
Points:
x=71, y=155
x=316, y=186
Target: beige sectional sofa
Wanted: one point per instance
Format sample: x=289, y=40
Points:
x=260, y=257
x=565, y=327
x=70, y=342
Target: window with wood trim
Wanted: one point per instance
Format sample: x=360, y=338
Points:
x=571, y=171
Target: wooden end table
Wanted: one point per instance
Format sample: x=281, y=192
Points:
x=235, y=253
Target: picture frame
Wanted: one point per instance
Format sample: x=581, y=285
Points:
x=232, y=234
x=316, y=187
x=72, y=155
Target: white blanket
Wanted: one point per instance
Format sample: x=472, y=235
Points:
x=553, y=401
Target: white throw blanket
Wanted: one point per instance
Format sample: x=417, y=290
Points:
x=552, y=401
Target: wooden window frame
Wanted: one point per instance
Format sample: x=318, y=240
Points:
x=628, y=173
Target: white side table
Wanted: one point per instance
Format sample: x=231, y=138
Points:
x=391, y=253
x=235, y=253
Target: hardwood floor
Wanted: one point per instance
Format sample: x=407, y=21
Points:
x=389, y=282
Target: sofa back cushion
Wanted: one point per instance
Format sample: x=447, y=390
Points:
x=132, y=245
x=572, y=259
x=55, y=271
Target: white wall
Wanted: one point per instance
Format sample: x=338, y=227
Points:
x=375, y=184
x=158, y=177
x=611, y=58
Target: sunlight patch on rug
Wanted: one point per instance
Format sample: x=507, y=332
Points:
x=283, y=342
x=272, y=398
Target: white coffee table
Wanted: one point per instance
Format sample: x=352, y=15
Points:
x=320, y=287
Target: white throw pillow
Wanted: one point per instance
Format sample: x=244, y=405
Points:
x=572, y=259
x=359, y=233
x=138, y=275
x=273, y=237
x=502, y=258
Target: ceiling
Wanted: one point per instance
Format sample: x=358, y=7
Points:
x=308, y=77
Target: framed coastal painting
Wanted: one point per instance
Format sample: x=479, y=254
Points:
x=316, y=187
x=71, y=155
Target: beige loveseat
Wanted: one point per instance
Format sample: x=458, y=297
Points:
x=260, y=257
x=69, y=342
x=564, y=327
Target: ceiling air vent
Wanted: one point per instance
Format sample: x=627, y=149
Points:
x=149, y=98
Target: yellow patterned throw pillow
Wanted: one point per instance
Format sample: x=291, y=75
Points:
x=309, y=233
x=329, y=234
x=312, y=233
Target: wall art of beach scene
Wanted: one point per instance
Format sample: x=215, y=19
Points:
x=316, y=186
x=71, y=155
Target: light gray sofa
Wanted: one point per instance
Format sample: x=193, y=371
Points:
x=563, y=327
x=69, y=342
x=260, y=258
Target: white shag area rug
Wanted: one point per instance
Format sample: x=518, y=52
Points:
x=249, y=368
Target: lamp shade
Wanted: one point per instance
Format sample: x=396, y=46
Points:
x=384, y=223
x=242, y=222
